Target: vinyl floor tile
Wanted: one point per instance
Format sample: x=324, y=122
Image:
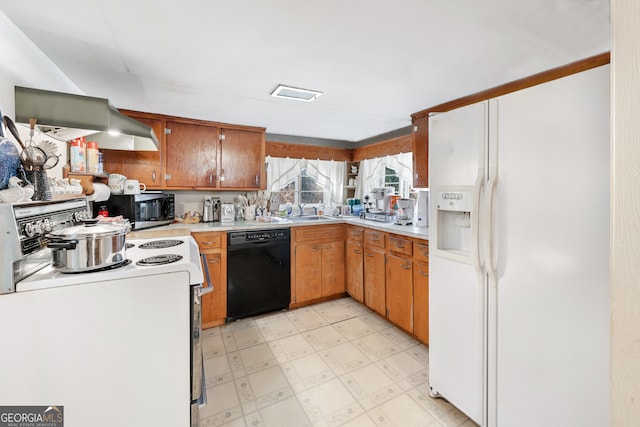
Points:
x=307, y=372
x=336, y=363
x=291, y=348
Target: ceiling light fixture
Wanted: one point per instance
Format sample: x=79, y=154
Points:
x=288, y=92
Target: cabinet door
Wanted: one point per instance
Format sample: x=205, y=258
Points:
x=374, y=279
x=214, y=304
x=421, y=301
x=308, y=276
x=333, y=268
x=399, y=288
x=355, y=270
x=421, y=152
x=191, y=155
x=146, y=166
x=241, y=159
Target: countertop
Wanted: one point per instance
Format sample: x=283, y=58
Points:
x=181, y=228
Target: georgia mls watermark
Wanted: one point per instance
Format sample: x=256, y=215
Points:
x=31, y=416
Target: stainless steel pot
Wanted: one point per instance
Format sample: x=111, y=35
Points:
x=88, y=247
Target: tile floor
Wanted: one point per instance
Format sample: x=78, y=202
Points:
x=332, y=364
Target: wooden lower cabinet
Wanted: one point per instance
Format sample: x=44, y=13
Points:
x=399, y=291
x=308, y=277
x=421, y=301
x=355, y=262
x=318, y=267
x=355, y=270
x=374, y=279
x=214, y=304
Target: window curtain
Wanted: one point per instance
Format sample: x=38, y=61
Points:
x=372, y=171
x=328, y=173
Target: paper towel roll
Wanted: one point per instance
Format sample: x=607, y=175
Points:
x=101, y=192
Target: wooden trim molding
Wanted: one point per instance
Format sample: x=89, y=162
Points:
x=401, y=144
x=303, y=151
x=533, y=80
x=154, y=116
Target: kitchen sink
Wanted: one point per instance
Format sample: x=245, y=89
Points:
x=304, y=218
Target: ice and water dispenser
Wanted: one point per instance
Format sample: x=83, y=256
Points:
x=454, y=210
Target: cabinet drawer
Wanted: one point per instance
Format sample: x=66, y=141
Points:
x=355, y=233
x=317, y=233
x=374, y=238
x=421, y=251
x=400, y=245
x=208, y=240
x=422, y=268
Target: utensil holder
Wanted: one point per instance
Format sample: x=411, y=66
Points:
x=40, y=182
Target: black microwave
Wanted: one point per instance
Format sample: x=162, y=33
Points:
x=144, y=210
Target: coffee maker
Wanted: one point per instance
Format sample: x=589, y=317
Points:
x=382, y=197
x=405, y=211
x=211, y=209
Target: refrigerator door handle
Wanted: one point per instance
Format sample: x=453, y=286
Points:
x=487, y=235
x=475, y=224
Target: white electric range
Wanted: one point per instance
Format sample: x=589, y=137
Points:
x=145, y=257
x=126, y=338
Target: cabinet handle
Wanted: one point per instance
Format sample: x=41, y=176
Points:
x=257, y=180
x=399, y=245
x=375, y=239
x=315, y=249
x=210, y=178
x=423, y=273
x=405, y=266
x=153, y=176
x=370, y=254
x=213, y=261
x=221, y=175
x=425, y=253
x=167, y=177
x=208, y=243
x=355, y=251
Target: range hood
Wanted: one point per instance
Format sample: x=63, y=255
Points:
x=65, y=116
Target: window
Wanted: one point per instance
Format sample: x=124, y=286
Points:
x=392, y=179
x=390, y=171
x=304, y=189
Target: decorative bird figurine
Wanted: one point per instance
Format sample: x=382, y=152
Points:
x=16, y=193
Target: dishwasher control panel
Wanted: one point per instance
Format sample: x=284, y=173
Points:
x=240, y=237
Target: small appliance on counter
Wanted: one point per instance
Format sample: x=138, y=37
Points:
x=211, y=209
x=405, y=211
x=227, y=212
x=422, y=209
x=380, y=205
x=382, y=197
x=143, y=210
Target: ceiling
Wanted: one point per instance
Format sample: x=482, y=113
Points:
x=376, y=61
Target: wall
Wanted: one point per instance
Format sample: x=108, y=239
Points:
x=23, y=64
x=625, y=215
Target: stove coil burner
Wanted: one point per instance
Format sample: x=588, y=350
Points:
x=129, y=245
x=161, y=244
x=159, y=259
x=105, y=268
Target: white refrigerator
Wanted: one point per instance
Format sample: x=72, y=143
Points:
x=519, y=261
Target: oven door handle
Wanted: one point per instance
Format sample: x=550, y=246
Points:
x=207, y=276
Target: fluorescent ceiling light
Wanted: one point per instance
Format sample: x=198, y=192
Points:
x=288, y=92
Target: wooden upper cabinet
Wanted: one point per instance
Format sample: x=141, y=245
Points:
x=145, y=166
x=241, y=159
x=191, y=155
x=421, y=152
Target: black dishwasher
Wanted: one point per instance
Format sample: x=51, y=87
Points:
x=258, y=272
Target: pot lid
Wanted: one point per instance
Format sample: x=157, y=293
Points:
x=89, y=230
